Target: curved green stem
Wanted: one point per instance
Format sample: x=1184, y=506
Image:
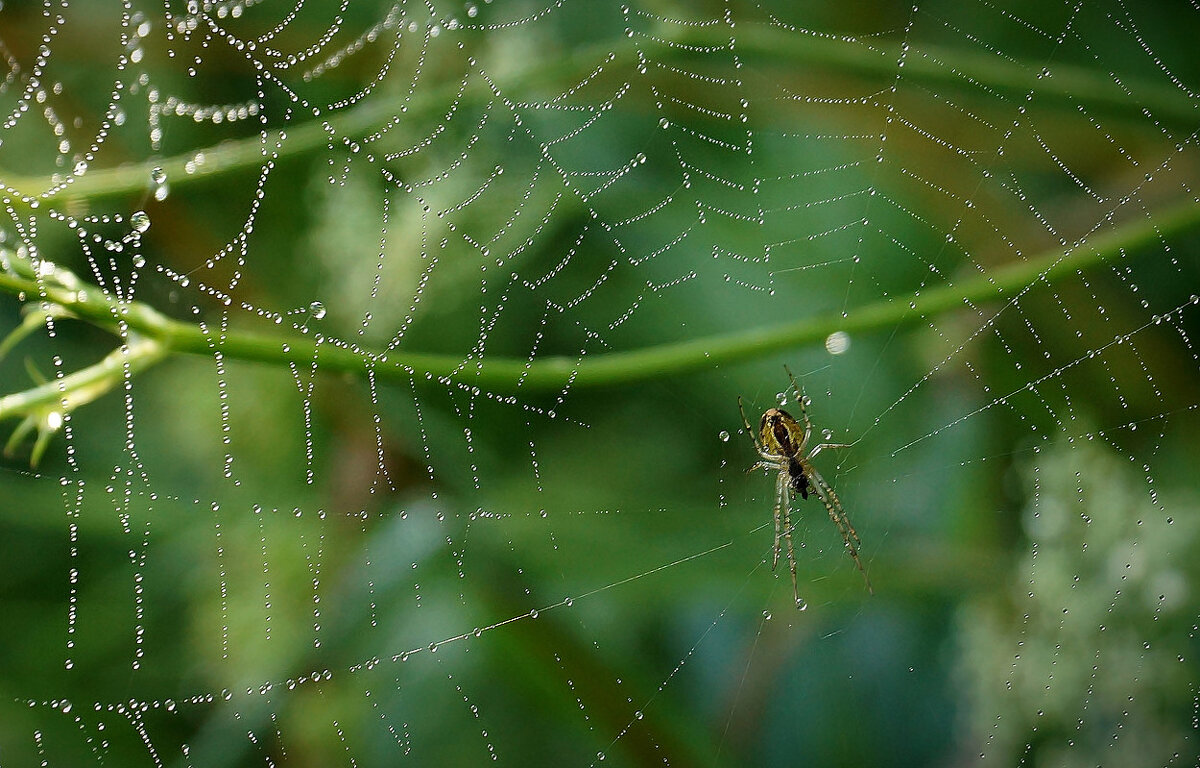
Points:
x=553, y=373
x=1061, y=85
x=1002, y=283
x=85, y=385
x=1050, y=83
x=252, y=152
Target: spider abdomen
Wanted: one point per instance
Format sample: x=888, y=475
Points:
x=780, y=433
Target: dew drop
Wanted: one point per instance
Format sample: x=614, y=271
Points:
x=837, y=342
x=140, y=221
x=724, y=436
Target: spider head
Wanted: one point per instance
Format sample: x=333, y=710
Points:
x=780, y=434
x=799, y=480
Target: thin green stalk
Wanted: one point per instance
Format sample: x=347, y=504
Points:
x=768, y=48
x=300, y=139
x=1049, y=82
x=552, y=373
x=1002, y=283
x=85, y=385
x=45, y=406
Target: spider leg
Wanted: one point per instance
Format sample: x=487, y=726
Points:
x=781, y=510
x=817, y=450
x=769, y=462
x=837, y=514
x=802, y=400
x=787, y=533
x=795, y=386
x=749, y=431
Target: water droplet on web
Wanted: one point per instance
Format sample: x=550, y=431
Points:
x=837, y=342
x=723, y=435
x=781, y=398
x=317, y=310
x=140, y=221
x=158, y=178
x=801, y=604
x=766, y=615
x=826, y=434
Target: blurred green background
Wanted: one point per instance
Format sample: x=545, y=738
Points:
x=239, y=563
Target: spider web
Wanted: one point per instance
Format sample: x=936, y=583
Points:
x=456, y=517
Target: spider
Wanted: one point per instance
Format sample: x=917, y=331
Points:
x=781, y=443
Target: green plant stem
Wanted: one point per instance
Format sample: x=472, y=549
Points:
x=85, y=385
x=1050, y=83
x=1060, y=85
x=553, y=373
x=344, y=127
x=1001, y=283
